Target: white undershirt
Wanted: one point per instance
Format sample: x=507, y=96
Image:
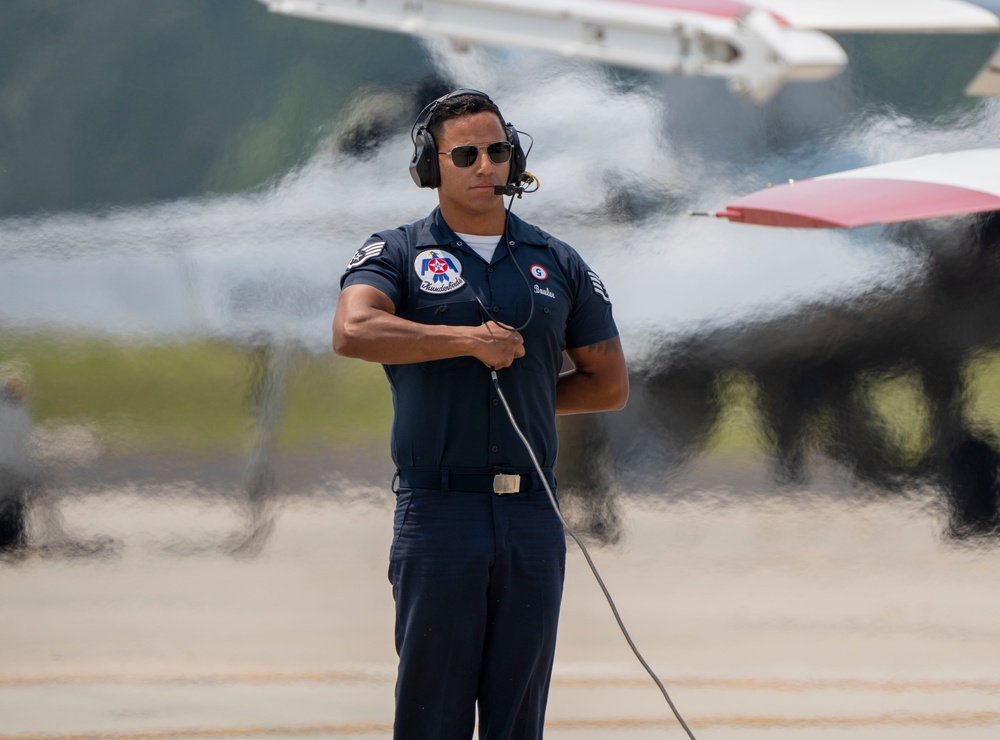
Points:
x=484, y=246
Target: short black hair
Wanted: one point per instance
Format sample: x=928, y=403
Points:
x=466, y=104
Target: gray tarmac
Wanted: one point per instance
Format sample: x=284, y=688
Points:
x=167, y=613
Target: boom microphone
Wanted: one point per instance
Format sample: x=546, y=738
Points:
x=519, y=187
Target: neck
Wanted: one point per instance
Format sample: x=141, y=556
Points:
x=478, y=224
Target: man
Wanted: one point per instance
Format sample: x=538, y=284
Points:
x=478, y=554
x=15, y=462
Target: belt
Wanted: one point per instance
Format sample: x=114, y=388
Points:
x=500, y=481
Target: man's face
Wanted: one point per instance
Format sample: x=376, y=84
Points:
x=469, y=190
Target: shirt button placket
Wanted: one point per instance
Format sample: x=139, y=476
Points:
x=499, y=423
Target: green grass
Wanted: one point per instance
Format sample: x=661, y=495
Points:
x=331, y=400
x=737, y=435
x=902, y=410
x=896, y=399
x=194, y=395
x=983, y=383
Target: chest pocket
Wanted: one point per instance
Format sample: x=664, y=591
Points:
x=544, y=339
x=447, y=313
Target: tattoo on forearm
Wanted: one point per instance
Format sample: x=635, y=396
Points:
x=607, y=347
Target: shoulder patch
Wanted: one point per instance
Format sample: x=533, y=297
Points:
x=599, y=286
x=366, y=253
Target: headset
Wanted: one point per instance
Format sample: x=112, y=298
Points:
x=424, y=166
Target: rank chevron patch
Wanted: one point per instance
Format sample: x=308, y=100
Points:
x=599, y=286
x=366, y=253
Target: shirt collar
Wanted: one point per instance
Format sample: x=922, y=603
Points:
x=434, y=232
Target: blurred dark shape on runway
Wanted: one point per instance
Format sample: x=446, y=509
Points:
x=814, y=377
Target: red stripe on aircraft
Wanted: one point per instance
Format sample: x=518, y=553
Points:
x=721, y=8
x=846, y=203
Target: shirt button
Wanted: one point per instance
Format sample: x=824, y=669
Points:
x=493, y=448
x=489, y=269
x=511, y=242
x=496, y=308
x=495, y=402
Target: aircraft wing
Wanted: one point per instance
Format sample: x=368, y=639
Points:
x=758, y=45
x=987, y=82
x=908, y=190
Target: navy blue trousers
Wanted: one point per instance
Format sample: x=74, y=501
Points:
x=477, y=579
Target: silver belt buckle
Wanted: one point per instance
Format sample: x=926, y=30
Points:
x=504, y=483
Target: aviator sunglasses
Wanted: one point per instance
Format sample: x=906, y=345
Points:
x=467, y=154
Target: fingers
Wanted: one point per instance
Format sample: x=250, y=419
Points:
x=502, y=346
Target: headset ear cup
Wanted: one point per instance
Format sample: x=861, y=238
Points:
x=424, y=167
x=518, y=159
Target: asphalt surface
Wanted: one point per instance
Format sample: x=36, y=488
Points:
x=165, y=612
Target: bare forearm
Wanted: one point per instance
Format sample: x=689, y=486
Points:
x=581, y=393
x=388, y=339
x=367, y=328
x=599, y=381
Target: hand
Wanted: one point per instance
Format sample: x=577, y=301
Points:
x=496, y=346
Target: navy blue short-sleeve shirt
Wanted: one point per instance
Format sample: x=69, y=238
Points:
x=447, y=413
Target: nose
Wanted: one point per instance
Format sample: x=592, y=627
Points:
x=483, y=161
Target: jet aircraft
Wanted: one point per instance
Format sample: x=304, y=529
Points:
x=757, y=45
x=800, y=365
x=815, y=362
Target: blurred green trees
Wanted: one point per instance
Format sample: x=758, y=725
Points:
x=119, y=101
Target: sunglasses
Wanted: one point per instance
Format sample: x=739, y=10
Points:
x=467, y=154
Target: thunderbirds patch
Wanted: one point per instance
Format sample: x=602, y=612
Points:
x=599, y=286
x=439, y=271
x=366, y=253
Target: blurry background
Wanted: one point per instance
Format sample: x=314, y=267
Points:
x=182, y=183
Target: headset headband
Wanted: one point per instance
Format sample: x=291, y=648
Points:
x=424, y=118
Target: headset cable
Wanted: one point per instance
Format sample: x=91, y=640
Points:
x=586, y=554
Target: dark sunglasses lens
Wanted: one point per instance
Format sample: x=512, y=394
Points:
x=499, y=151
x=464, y=156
